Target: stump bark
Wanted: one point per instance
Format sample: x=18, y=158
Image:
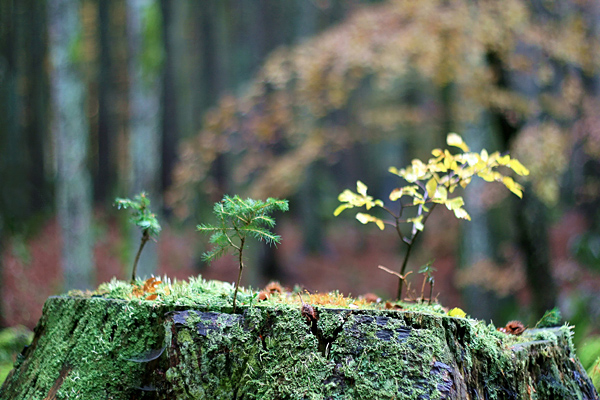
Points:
x=97, y=348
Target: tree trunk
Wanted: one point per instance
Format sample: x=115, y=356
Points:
x=105, y=165
x=71, y=133
x=119, y=349
x=146, y=54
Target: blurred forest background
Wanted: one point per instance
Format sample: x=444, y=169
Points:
x=298, y=99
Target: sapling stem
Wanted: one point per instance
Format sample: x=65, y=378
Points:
x=145, y=238
x=423, y=289
x=239, y=279
x=431, y=282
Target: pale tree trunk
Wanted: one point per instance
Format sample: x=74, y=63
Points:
x=477, y=240
x=144, y=34
x=70, y=132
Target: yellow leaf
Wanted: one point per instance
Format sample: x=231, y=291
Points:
x=417, y=221
x=470, y=158
x=512, y=186
x=484, y=155
x=441, y=195
x=519, y=168
x=363, y=218
x=361, y=188
x=394, y=171
x=431, y=186
x=448, y=160
x=347, y=196
x=457, y=312
x=504, y=160
x=341, y=208
x=396, y=194
x=486, y=175
x=455, y=140
x=462, y=214
x=453, y=204
x=366, y=218
x=437, y=152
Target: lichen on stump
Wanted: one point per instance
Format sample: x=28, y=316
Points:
x=196, y=348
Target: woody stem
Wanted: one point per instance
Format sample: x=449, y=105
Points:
x=145, y=238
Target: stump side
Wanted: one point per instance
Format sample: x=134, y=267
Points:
x=90, y=348
x=81, y=349
x=350, y=354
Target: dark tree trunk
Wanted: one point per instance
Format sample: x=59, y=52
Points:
x=170, y=126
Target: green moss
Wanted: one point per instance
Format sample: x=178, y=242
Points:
x=111, y=341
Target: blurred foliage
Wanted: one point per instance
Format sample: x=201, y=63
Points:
x=12, y=342
x=303, y=104
x=152, y=54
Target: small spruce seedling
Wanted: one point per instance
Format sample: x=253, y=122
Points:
x=430, y=184
x=239, y=219
x=144, y=219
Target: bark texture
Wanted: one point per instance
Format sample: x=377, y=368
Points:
x=100, y=348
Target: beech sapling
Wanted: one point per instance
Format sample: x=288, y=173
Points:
x=430, y=184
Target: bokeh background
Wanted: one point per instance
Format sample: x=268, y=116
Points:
x=299, y=99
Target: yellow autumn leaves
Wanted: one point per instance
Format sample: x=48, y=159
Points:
x=434, y=182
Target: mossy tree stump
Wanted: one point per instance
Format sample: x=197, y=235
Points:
x=98, y=348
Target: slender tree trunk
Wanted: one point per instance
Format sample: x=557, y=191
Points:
x=170, y=126
x=146, y=53
x=71, y=134
x=476, y=237
x=104, y=179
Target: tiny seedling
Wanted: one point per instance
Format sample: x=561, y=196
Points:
x=430, y=184
x=427, y=270
x=144, y=219
x=237, y=220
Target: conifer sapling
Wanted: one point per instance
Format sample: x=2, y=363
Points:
x=144, y=219
x=238, y=219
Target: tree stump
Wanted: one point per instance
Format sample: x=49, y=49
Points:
x=98, y=348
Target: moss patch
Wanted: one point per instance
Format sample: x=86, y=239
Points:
x=184, y=342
